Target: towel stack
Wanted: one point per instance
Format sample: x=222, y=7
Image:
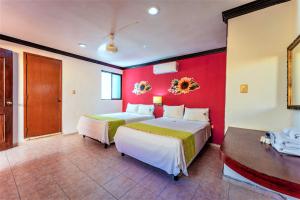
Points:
x=287, y=141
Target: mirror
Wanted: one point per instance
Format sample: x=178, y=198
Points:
x=293, y=61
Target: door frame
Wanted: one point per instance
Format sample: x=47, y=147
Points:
x=9, y=141
x=25, y=95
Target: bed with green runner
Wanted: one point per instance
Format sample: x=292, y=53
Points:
x=166, y=143
x=103, y=127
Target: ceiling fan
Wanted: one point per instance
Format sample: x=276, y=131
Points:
x=110, y=45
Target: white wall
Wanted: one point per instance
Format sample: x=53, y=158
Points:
x=298, y=15
x=296, y=121
x=257, y=54
x=82, y=76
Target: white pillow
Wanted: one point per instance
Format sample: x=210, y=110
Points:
x=132, y=108
x=146, y=109
x=173, y=111
x=196, y=114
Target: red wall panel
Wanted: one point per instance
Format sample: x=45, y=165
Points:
x=209, y=71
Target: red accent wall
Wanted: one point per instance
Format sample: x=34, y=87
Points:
x=209, y=71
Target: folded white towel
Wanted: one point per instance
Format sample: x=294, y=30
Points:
x=285, y=136
x=294, y=152
x=294, y=134
x=284, y=144
x=291, y=145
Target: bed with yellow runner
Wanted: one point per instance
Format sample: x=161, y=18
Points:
x=165, y=143
x=103, y=127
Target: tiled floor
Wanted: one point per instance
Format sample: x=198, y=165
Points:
x=70, y=167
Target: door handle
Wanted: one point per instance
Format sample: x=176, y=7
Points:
x=9, y=103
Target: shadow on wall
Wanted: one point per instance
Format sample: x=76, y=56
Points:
x=296, y=121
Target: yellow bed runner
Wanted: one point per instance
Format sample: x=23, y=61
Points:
x=187, y=138
x=113, y=124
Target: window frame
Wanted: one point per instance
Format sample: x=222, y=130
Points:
x=111, y=89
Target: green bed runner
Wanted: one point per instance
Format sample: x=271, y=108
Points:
x=113, y=124
x=187, y=138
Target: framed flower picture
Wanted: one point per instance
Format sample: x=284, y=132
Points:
x=141, y=87
x=184, y=85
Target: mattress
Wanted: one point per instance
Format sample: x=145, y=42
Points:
x=163, y=152
x=98, y=129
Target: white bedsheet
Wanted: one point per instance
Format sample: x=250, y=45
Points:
x=98, y=130
x=166, y=153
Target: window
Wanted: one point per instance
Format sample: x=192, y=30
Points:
x=111, y=85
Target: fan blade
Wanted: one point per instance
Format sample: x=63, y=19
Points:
x=119, y=30
x=125, y=26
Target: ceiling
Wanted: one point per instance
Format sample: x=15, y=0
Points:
x=181, y=27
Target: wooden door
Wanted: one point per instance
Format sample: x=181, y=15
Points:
x=42, y=95
x=6, y=99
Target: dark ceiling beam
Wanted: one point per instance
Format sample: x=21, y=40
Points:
x=248, y=8
x=57, y=51
x=171, y=59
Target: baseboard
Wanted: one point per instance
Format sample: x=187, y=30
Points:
x=70, y=133
x=42, y=136
x=215, y=145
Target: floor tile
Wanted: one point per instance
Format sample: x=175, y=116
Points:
x=237, y=193
x=137, y=173
x=4, y=164
x=155, y=181
x=8, y=189
x=42, y=188
x=103, y=176
x=139, y=193
x=80, y=189
x=70, y=167
x=216, y=189
x=119, y=186
x=182, y=189
x=99, y=194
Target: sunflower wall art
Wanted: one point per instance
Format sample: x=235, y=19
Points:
x=184, y=85
x=141, y=88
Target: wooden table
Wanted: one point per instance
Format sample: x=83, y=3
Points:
x=260, y=163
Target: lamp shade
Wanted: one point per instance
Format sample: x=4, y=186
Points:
x=157, y=100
